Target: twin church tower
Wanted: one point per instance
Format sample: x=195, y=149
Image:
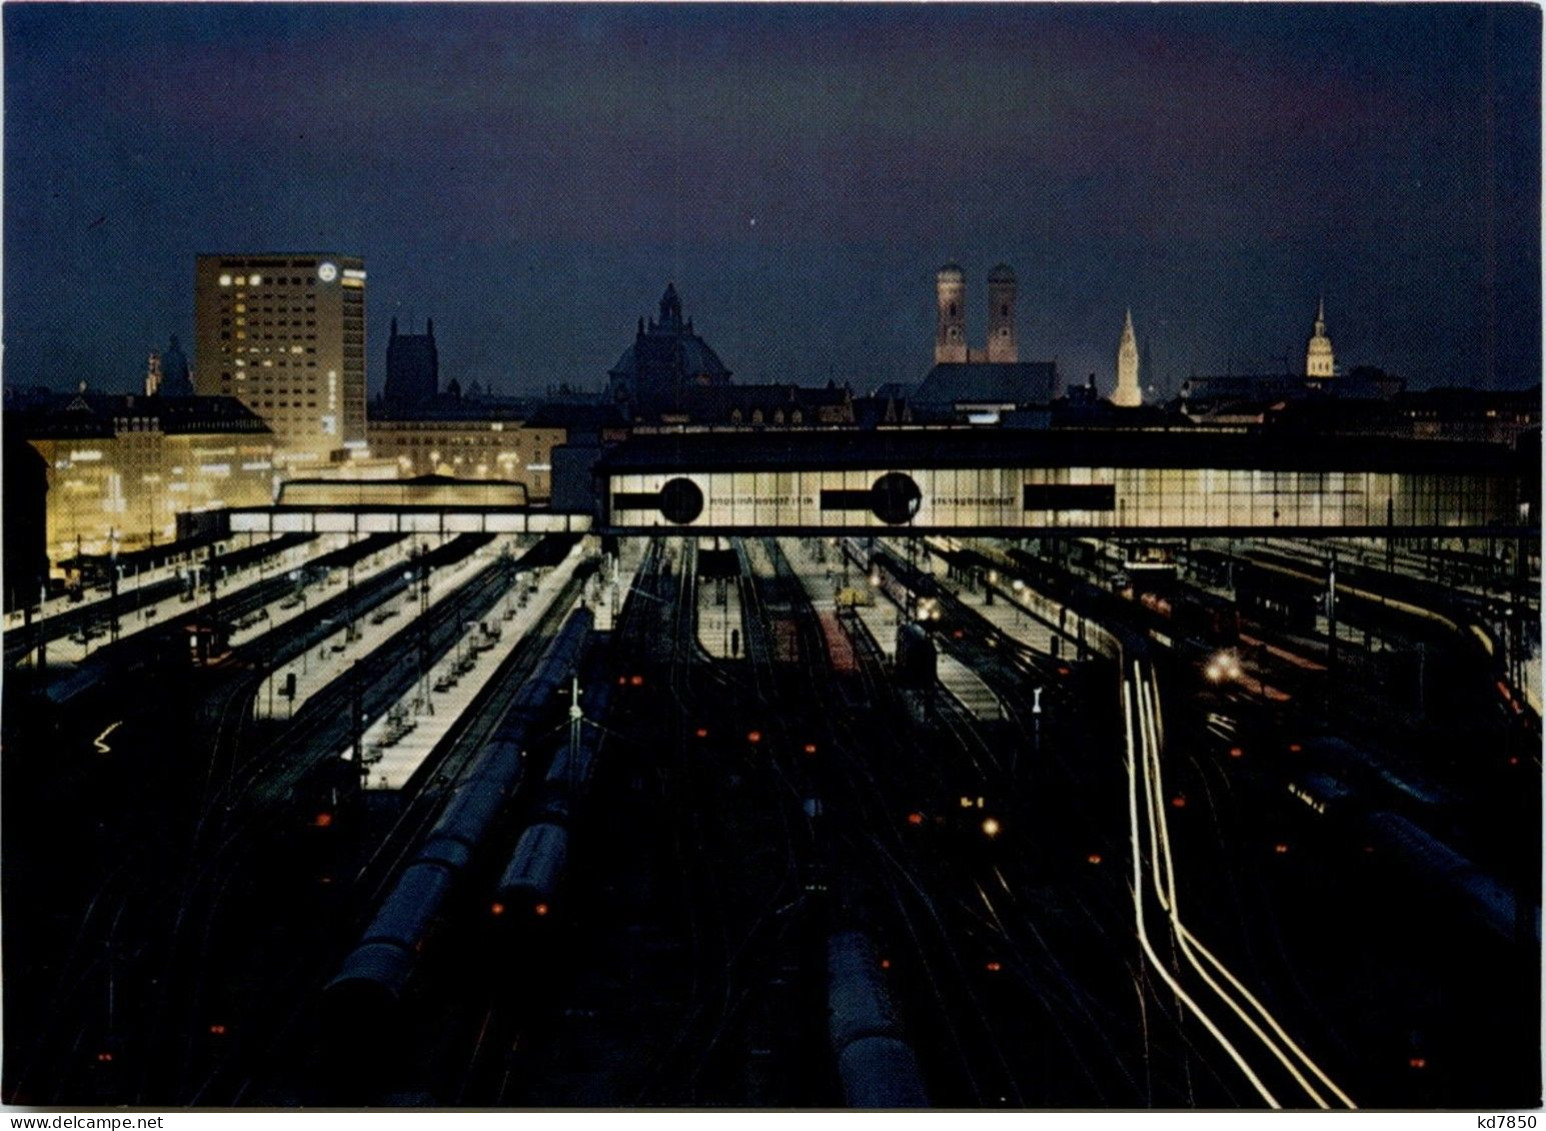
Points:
x=950, y=328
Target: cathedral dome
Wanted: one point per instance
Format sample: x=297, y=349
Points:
x=666, y=356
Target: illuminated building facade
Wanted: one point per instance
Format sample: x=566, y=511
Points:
x=121, y=468
x=285, y=335
x=480, y=440
x=1132, y=480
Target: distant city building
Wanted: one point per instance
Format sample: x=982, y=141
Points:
x=667, y=361
x=1247, y=399
x=285, y=334
x=982, y=392
x=950, y=346
x=1319, y=361
x=482, y=439
x=976, y=386
x=759, y=406
x=1455, y=415
x=175, y=381
x=120, y=469
x=1128, y=393
x=413, y=368
x=153, y=374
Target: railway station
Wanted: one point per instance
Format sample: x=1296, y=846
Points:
x=1043, y=613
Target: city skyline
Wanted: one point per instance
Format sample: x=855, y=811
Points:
x=798, y=173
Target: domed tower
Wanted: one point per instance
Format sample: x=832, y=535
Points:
x=1128, y=394
x=950, y=331
x=1318, y=358
x=1001, y=315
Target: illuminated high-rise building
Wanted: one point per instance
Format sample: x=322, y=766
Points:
x=285, y=334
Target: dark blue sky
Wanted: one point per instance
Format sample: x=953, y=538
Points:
x=532, y=176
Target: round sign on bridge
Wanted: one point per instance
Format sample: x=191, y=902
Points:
x=895, y=498
x=681, y=501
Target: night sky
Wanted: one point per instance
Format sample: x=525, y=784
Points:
x=532, y=177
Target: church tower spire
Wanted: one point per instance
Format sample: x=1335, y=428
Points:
x=1128, y=394
x=1319, y=361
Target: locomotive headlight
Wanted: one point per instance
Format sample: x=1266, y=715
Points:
x=1223, y=665
x=990, y=828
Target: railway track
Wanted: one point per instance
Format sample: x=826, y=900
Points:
x=423, y=799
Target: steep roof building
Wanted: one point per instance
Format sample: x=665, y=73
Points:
x=1128, y=394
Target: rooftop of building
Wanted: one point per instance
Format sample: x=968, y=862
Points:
x=42, y=415
x=276, y=259
x=447, y=408
x=988, y=382
x=1058, y=448
x=1360, y=383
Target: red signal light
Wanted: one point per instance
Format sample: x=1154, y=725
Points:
x=496, y=909
x=915, y=818
x=322, y=820
x=540, y=910
x=754, y=736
